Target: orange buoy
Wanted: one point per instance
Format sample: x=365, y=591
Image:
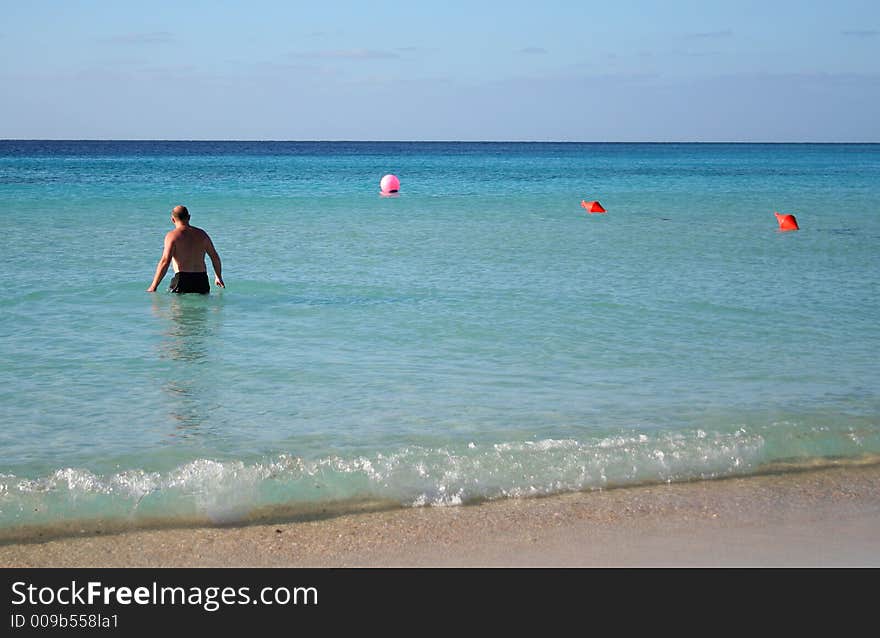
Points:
x=592, y=207
x=786, y=222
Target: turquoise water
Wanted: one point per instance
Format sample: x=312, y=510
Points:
x=480, y=336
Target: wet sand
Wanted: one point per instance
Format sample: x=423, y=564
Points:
x=828, y=517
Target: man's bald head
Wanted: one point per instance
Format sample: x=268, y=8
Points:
x=180, y=213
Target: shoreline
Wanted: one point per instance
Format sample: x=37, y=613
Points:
x=815, y=518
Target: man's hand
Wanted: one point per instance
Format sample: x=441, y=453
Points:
x=151, y=289
x=219, y=282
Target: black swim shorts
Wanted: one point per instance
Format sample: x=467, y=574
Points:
x=191, y=282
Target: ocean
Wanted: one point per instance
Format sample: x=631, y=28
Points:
x=479, y=336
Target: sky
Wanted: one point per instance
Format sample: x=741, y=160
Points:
x=544, y=70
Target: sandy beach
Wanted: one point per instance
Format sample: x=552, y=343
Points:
x=827, y=517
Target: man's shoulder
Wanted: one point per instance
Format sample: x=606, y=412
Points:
x=189, y=230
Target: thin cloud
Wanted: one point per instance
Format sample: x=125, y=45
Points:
x=534, y=51
x=578, y=77
x=324, y=34
x=861, y=33
x=154, y=37
x=710, y=35
x=696, y=54
x=348, y=54
x=174, y=69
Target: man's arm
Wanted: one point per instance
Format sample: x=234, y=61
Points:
x=215, y=261
x=164, y=262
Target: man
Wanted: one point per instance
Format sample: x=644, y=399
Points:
x=185, y=249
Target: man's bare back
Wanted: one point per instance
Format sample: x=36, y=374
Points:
x=185, y=250
x=189, y=245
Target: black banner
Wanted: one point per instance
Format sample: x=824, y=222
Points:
x=126, y=601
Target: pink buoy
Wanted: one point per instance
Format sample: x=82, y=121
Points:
x=389, y=184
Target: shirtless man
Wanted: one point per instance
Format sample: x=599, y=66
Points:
x=185, y=249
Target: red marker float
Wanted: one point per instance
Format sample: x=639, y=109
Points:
x=592, y=207
x=786, y=222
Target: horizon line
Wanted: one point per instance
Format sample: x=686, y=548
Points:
x=425, y=141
